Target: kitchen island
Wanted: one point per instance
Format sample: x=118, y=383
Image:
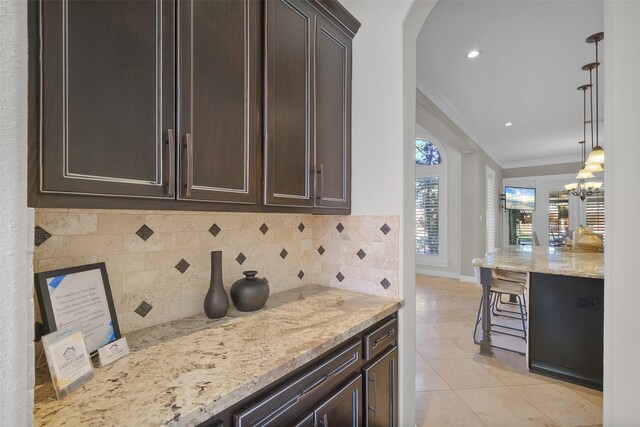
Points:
x=565, y=310
x=186, y=371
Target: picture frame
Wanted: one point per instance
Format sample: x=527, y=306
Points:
x=79, y=295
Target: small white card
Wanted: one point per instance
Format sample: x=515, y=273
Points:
x=68, y=359
x=113, y=351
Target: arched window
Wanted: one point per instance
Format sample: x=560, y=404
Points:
x=431, y=202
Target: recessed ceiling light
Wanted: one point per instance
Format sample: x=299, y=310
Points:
x=508, y=124
x=473, y=54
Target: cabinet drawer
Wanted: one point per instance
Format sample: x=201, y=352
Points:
x=291, y=400
x=380, y=339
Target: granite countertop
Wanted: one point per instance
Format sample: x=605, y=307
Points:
x=547, y=260
x=185, y=371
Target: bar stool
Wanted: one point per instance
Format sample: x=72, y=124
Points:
x=500, y=287
x=509, y=276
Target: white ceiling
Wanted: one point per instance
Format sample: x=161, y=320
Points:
x=527, y=73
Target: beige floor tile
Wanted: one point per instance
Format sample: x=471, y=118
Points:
x=456, y=315
x=454, y=329
x=502, y=407
x=561, y=404
x=464, y=373
x=444, y=409
x=434, y=349
x=418, y=357
x=510, y=368
x=427, y=379
x=424, y=331
x=593, y=396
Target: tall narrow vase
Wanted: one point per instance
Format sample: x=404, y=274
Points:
x=216, y=303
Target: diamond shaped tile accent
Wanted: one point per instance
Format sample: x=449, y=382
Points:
x=264, y=228
x=385, y=283
x=182, y=266
x=40, y=236
x=144, y=232
x=241, y=258
x=301, y=227
x=321, y=250
x=340, y=277
x=214, y=230
x=300, y=274
x=361, y=254
x=143, y=309
x=283, y=253
x=340, y=227
x=385, y=229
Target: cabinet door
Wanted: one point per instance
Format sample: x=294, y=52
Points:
x=332, y=106
x=107, y=98
x=381, y=391
x=219, y=66
x=343, y=408
x=289, y=37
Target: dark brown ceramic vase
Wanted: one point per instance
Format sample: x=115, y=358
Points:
x=216, y=302
x=250, y=293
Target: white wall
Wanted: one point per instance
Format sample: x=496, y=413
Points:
x=383, y=100
x=16, y=302
x=622, y=174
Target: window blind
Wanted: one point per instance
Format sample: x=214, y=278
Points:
x=558, y=217
x=491, y=209
x=595, y=212
x=427, y=216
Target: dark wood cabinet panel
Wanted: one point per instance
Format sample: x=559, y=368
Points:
x=332, y=108
x=288, y=93
x=219, y=71
x=107, y=98
x=343, y=408
x=381, y=391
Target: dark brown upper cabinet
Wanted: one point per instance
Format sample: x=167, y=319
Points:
x=307, y=107
x=237, y=105
x=219, y=110
x=107, y=98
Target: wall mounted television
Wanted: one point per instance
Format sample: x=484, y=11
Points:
x=519, y=198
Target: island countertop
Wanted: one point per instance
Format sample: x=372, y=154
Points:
x=547, y=260
x=185, y=371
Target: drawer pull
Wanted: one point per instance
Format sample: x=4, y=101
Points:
x=385, y=337
x=308, y=392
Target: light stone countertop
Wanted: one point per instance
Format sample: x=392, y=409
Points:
x=547, y=260
x=185, y=371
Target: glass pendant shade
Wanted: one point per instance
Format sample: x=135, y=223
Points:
x=594, y=185
x=596, y=156
x=570, y=187
x=593, y=167
x=584, y=174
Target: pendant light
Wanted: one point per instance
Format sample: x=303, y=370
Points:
x=595, y=162
x=581, y=188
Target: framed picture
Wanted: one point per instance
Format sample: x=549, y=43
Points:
x=79, y=296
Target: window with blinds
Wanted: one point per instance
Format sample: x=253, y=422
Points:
x=427, y=216
x=595, y=212
x=520, y=228
x=558, y=217
x=491, y=209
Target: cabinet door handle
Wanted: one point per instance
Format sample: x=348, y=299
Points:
x=372, y=379
x=381, y=339
x=169, y=165
x=320, y=172
x=188, y=147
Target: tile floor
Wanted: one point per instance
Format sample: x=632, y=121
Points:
x=457, y=387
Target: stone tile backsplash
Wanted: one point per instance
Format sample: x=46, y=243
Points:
x=159, y=261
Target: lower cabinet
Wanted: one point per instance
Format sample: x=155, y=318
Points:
x=342, y=409
x=353, y=385
x=381, y=391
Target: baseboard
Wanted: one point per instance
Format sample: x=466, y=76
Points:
x=467, y=279
x=425, y=271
